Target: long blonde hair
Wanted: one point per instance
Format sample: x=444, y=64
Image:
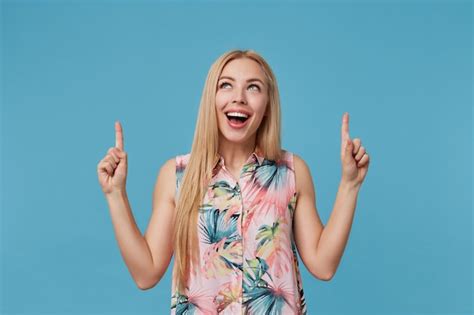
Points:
x=204, y=156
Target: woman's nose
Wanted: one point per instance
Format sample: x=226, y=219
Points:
x=239, y=96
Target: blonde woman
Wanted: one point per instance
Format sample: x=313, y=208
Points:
x=236, y=209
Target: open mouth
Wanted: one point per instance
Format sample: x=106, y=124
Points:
x=237, y=119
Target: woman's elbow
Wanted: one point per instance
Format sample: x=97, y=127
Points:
x=327, y=277
x=146, y=284
x=324, y=276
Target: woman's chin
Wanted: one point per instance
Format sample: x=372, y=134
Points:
x=235, y=137
x=236, y=140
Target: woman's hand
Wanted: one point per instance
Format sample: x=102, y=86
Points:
x=112, y=169
x=355, y=160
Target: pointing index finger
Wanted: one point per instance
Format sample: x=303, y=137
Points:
x=118, y=135
x=345, y=127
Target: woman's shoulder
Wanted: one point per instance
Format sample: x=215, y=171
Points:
x=176, y=162
x=296, y=163
x=295, y=158
x=289, y=156
x=302, y=172
x=182, y=159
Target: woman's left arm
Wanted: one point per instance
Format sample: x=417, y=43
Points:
x=335, y=234
x=321, y=247
x=355, y=163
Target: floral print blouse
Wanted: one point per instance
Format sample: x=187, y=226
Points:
x=248, y=258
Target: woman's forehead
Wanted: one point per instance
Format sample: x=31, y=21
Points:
x=243, y=68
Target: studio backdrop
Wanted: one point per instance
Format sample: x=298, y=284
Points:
x=401, y=69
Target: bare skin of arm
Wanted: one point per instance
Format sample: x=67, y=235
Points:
x=307, y=224
x=321, y=247
x=147, y=257
x=159, y=234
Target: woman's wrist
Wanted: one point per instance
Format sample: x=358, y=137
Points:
x=350, y=185
x=116, y=193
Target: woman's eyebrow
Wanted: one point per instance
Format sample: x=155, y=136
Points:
x=248, y=80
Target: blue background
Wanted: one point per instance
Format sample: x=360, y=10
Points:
x=403, y=71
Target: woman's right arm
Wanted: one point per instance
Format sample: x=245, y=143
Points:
x=147, y=257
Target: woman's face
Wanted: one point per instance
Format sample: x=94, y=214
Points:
x=241, y=88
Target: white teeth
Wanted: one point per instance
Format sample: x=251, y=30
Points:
x=237, y=114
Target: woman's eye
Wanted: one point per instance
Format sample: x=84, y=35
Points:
x=258, y=88
x=224, y=83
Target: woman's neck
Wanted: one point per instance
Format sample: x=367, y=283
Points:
x=235, y=155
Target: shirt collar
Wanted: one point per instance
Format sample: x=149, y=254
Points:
x=255, y=157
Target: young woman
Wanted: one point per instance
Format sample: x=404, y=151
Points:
x=237, y=208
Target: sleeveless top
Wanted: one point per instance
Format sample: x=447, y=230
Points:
x=248, y=258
